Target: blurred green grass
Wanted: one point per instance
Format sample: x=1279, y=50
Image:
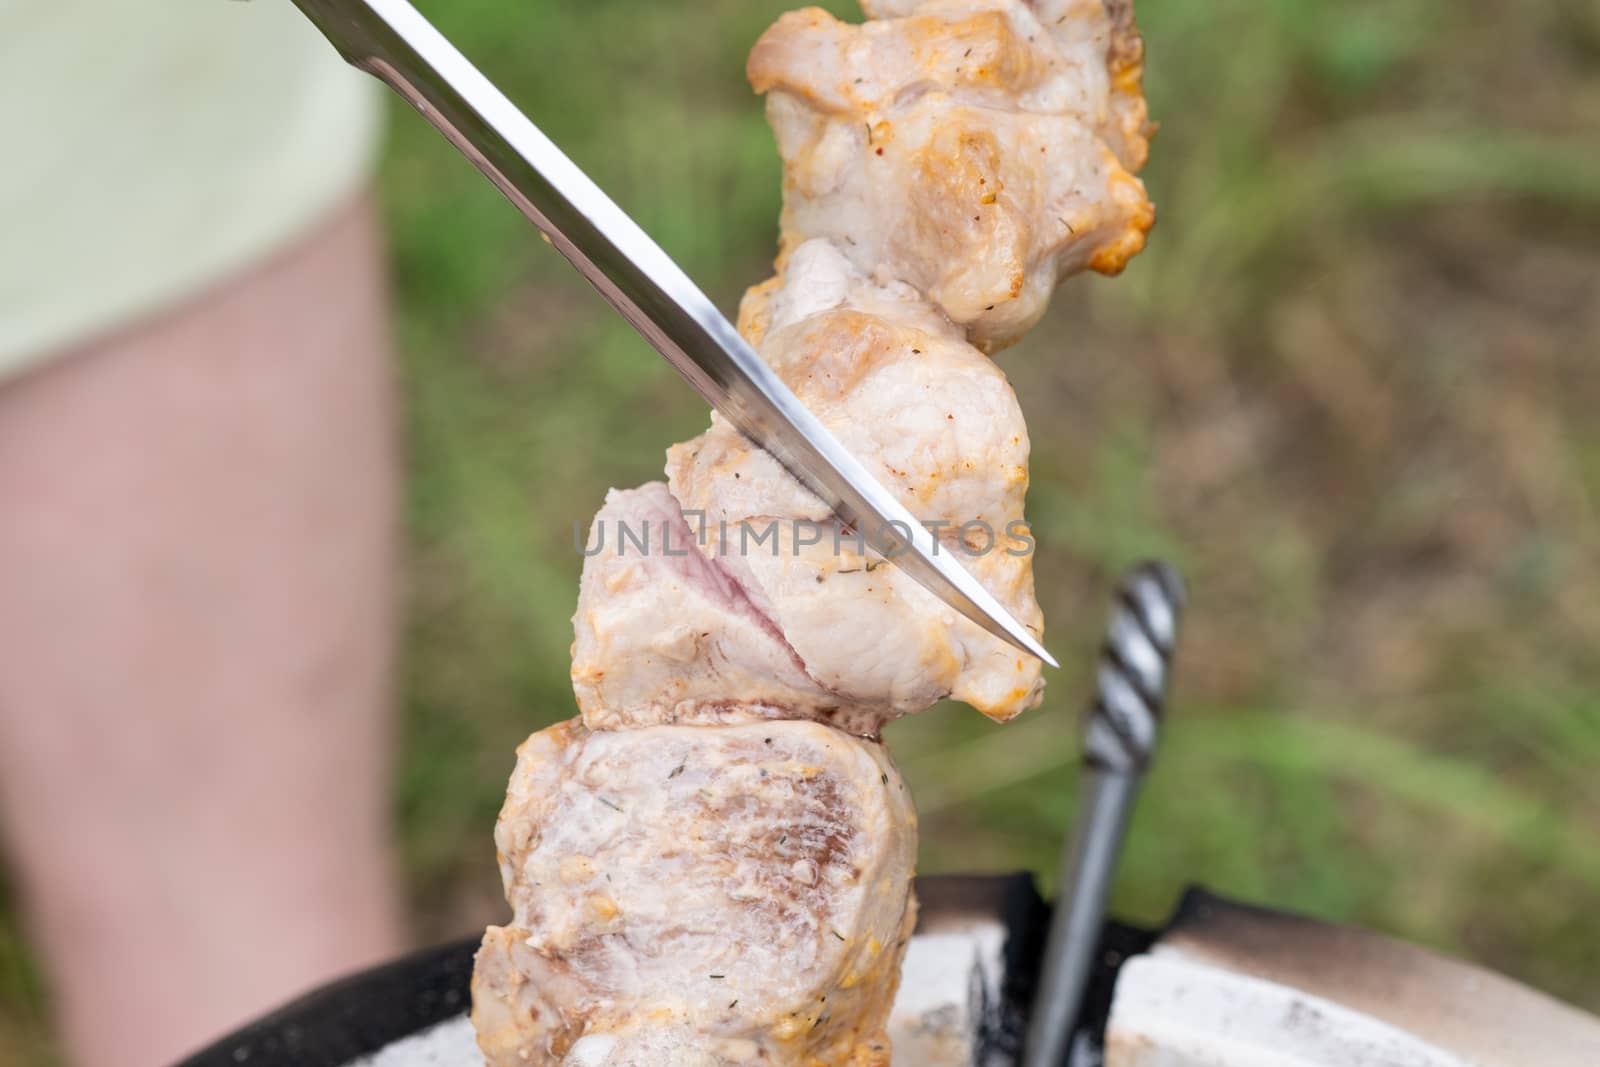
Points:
x=1350, y=388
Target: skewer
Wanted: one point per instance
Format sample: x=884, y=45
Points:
x=392, y=41
x=1119, y=739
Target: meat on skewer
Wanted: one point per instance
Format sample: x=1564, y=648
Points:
x=766, y=610
x=712, y=866
x=982, y=150
x=735, y=893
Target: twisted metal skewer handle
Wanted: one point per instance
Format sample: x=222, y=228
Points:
x=1130, y=692
x=1135, y=667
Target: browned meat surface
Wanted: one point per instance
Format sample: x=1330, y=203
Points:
x=981, y=150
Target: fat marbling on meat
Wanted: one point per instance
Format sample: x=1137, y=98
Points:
x=737, y=893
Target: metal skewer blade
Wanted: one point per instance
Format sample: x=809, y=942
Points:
x=391, y=40
x=1130, y=692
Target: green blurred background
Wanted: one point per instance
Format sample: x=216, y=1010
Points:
x=1351, y=388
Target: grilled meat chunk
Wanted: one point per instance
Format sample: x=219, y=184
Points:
x=739, y=891
x=981, y=150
